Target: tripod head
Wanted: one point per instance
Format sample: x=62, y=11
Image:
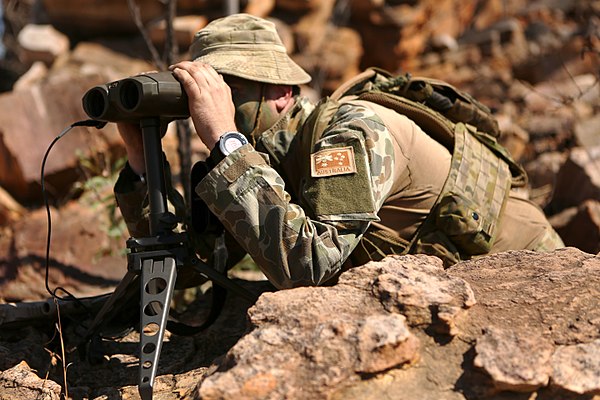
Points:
x=132, y=99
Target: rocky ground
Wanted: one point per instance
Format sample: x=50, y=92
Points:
x=516, y=325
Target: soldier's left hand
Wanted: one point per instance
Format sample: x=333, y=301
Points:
x=211, y=107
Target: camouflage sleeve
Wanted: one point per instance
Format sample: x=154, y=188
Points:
x=291, y=247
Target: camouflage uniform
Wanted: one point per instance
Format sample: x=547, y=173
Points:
x=303, y=207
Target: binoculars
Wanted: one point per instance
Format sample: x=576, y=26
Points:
x=131, y=99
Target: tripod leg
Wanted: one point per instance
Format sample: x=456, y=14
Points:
x=224, y=281
x=112, y=305
x=158, y=282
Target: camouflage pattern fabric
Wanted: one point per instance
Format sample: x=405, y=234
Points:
x=302, y=229
x=295, y=242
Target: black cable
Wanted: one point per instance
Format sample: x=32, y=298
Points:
x=53, y=293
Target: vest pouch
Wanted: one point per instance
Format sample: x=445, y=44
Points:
x=464, y=224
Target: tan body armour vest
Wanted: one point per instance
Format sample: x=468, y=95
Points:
x=463, y=220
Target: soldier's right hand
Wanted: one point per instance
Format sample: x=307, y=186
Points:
x=134, y=146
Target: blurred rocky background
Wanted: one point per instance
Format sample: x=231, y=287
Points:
x=536, y=64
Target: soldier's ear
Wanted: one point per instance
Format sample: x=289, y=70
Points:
x=282, y=96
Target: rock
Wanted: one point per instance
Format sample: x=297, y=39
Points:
x=83, y=257
x=42, y=43
x=37, y=72
x=30, y=120
x=443, y=42
x=576, y=368
x=308, y=341
x=33, y=116
x=260, y=8
x=20, y=382
x=553, y=295
x=513, y=137
x=342, y=49
x=422, y=291
x=10, y=210
x=384, y=341
x=578, y=179
x=184, y=29
x=90, y=58
x=542, y=173
x=533, y=333
x=550, y=94
x=580, y=226
x=88, y=19
x=587, y=132
x=515, y=360
x=311, y=28
x=301, y=6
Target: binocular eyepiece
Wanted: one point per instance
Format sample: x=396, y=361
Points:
x=131, y=99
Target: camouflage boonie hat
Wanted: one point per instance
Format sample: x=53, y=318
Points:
x=247, y=47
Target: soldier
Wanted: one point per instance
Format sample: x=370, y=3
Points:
x=308, y=203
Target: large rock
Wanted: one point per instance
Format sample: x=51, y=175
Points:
x=20, y=382
x=42, y=43
x=29, y=121
x=514, y=325
x=533, y=329
x=10, y=210
x=396, y=34
x=114, y=16
x=311, y=342
x=580, y=226
x=84, y=258
x=578, y=179
x=33, y=116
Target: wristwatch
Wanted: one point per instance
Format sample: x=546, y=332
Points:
x=231, y=141
x=227, y=144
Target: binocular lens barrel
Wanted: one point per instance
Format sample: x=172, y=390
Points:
x=95, y=102
x=129, y=95
x=132, y=99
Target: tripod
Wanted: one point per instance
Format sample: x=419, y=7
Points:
x=152, y=266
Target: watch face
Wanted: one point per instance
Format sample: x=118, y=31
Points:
x=231, y=144
x=231, y=141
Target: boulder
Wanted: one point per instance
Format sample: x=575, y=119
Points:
x=184, y=29
x=587, y=132
x=42, y=43
x=578, y=179
x=500, y=355
x=10, y=209
x=580, y=226
x=84, y=258
x=114, y=17
x=20, y=382
x=542, y=173
x=511, y=325
x=311, y=342
x=397, y=34
x=342, y=50
x=35, y=114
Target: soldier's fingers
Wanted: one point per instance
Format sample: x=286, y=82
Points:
x=188, y=81
x=203, y=73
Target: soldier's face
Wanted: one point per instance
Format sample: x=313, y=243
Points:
x=246, y=97
x=255, y=111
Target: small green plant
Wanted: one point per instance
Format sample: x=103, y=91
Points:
x=96, y=191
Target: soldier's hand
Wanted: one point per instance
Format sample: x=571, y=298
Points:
x=211, y=106
x=134, y=146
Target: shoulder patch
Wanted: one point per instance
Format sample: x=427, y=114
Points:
x=332, y=162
